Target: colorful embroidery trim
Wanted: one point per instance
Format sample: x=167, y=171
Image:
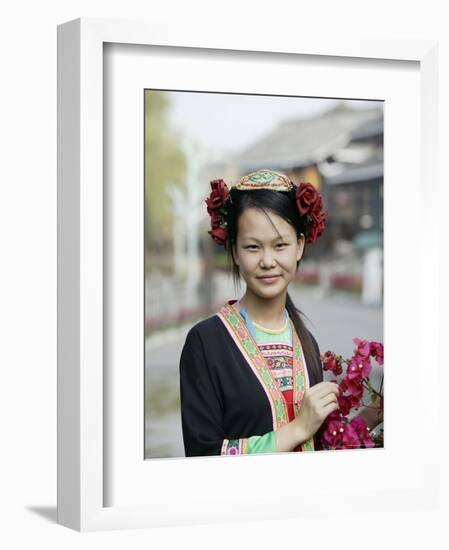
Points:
x=234, y=446
x=250, y=350
x=255, y=359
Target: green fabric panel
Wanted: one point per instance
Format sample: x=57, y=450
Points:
x=262, y=443
x=263, y=337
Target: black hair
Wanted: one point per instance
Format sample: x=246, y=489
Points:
x=282, y=203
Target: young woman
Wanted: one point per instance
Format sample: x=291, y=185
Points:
x=251, y=379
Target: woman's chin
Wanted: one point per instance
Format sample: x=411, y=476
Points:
x=269, y=290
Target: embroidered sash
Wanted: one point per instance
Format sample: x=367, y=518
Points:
x=239, y=332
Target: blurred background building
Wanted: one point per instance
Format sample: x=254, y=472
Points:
x=340, y=152
x=335, y=145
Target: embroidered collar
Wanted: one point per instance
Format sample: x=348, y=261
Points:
x=252, y=324
x=240, y=333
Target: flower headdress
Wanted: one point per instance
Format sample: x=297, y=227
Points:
x=308, y=201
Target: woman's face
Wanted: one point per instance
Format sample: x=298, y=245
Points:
x=266, y=252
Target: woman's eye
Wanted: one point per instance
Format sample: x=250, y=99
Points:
x=255, y=247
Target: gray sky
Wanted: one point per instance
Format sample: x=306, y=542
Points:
x=230, y=122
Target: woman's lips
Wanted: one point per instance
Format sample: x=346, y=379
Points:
x=270, y=279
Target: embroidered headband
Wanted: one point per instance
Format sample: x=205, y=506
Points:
x=308, y=201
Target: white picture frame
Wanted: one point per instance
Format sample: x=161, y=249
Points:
x=82, y=406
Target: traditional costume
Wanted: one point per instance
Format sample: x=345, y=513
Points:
x=240, y=383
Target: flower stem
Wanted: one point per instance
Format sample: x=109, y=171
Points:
x=370, y=388
x=368, y=406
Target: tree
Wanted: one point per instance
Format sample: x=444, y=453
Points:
x=165, y=163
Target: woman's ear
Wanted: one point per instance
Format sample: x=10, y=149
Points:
x=301, y=243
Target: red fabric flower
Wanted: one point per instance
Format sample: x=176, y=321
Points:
x=219, y=234
x=216, y=209
x=310, y=204
x=216, y=219
x=219, y=195
x=306, y=197
x=317, y=206
x=316, y=227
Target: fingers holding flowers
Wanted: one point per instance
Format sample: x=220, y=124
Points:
x=318, y=402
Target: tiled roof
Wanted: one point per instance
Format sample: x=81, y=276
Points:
x=301, y=142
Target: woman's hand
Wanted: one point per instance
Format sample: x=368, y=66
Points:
x=317, y=403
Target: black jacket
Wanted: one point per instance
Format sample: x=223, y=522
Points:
x=221, y=398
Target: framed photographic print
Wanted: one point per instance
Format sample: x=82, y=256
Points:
x=142, y=112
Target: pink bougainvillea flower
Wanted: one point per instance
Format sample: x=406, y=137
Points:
x=332, y=363
x=363, y=347
x=345, y=404
x=351, y=439
x=334, y=415
x=360, y=426
x=354, y=372
x=367, y=440
x=356, y=399
x=333, y=434
x=359, y=365
x=377, y=351
x=337, y=432
x=354, y=386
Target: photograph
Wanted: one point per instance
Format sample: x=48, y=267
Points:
x=264, y=279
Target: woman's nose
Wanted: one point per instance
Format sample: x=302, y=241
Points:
x=267, y=259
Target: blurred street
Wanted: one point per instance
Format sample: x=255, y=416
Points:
x=334, y=321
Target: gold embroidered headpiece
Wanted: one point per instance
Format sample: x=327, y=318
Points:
x=265, y=179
